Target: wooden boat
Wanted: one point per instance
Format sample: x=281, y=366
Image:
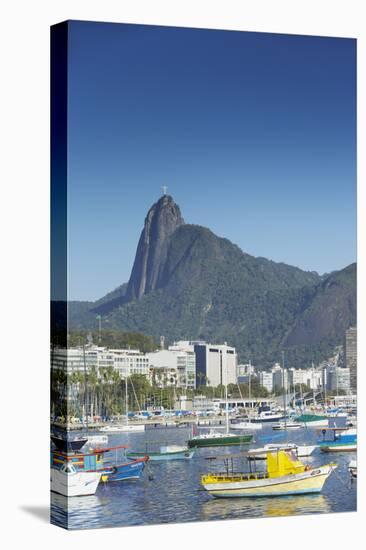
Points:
x=284, y=475
x=100, y=460
x=168, y=452
x=69, y=482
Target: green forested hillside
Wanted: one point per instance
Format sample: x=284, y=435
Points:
x=212, y=290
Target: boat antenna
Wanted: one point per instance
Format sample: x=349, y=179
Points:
x=85, y=392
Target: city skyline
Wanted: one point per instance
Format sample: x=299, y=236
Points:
x=253, y=133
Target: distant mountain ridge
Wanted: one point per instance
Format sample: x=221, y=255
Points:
x=188, y=283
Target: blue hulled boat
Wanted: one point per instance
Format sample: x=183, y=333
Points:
x=342, y=440
x=100, y=460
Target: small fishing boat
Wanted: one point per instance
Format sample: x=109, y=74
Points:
x=343, y=440
x=299, y=450
x=352, y=468
x=129, y=470
x=69, y=482
x=284, y=475
x=103, y=460
x=167, y=452
x=287, y=426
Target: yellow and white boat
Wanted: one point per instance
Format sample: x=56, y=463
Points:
x=284, y=475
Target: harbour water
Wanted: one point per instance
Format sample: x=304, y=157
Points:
x=170, y=491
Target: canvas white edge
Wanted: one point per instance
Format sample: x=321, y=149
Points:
x=25, y=260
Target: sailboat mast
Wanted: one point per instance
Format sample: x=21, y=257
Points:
x=85, y=391
x=284, y=389
x=226, y=398
x=126, y=392
x=250, y=388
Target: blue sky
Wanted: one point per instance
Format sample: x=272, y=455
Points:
x=254, y=135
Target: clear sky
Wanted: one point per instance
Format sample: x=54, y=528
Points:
x=254, y=135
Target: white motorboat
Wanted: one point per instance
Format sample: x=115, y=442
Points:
x=94, y=440
x=268, y=416
x=71, y=483
x=246, y=426
x=123, y=428
x=287, y=426
x=299, y=450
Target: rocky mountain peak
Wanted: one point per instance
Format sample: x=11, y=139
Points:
x=163, y=218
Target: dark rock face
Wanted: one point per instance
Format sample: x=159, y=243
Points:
x=188, y=283
x=162, y=220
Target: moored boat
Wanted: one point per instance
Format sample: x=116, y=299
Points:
x=287, y=426
x=268, y=416
x=246, y=426
x=284, y=475
x=343, y=440
x=111, y=469
x=168, y=452
x=299, y=450
x=216, y=439
x=123, y=428
x=69, y=482
x=68, y=444
x=312, y=420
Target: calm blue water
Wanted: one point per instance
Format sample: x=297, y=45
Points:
x=175, y=495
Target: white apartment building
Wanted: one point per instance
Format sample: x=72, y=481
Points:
x=280, y=377
x=125, y=361
x=339, y=378
x=215, y=364
x=266, y=380
x=173, y=367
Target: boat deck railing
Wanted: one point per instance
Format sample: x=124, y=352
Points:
x=223, y=476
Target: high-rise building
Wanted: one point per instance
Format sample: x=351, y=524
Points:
x=215, y=364
x=351, y=355
x=266, y=380
x=338, y=378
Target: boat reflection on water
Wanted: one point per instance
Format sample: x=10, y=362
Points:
x=77, y=512
x=297, y=505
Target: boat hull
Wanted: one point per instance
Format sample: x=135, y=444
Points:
x=296, y=484
x=246, y=426
x=75, y=484
x=123, y=429
x=339, y=448
x=220, y=441
x=154, y=457
x=68, y=445
x=124, y=472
